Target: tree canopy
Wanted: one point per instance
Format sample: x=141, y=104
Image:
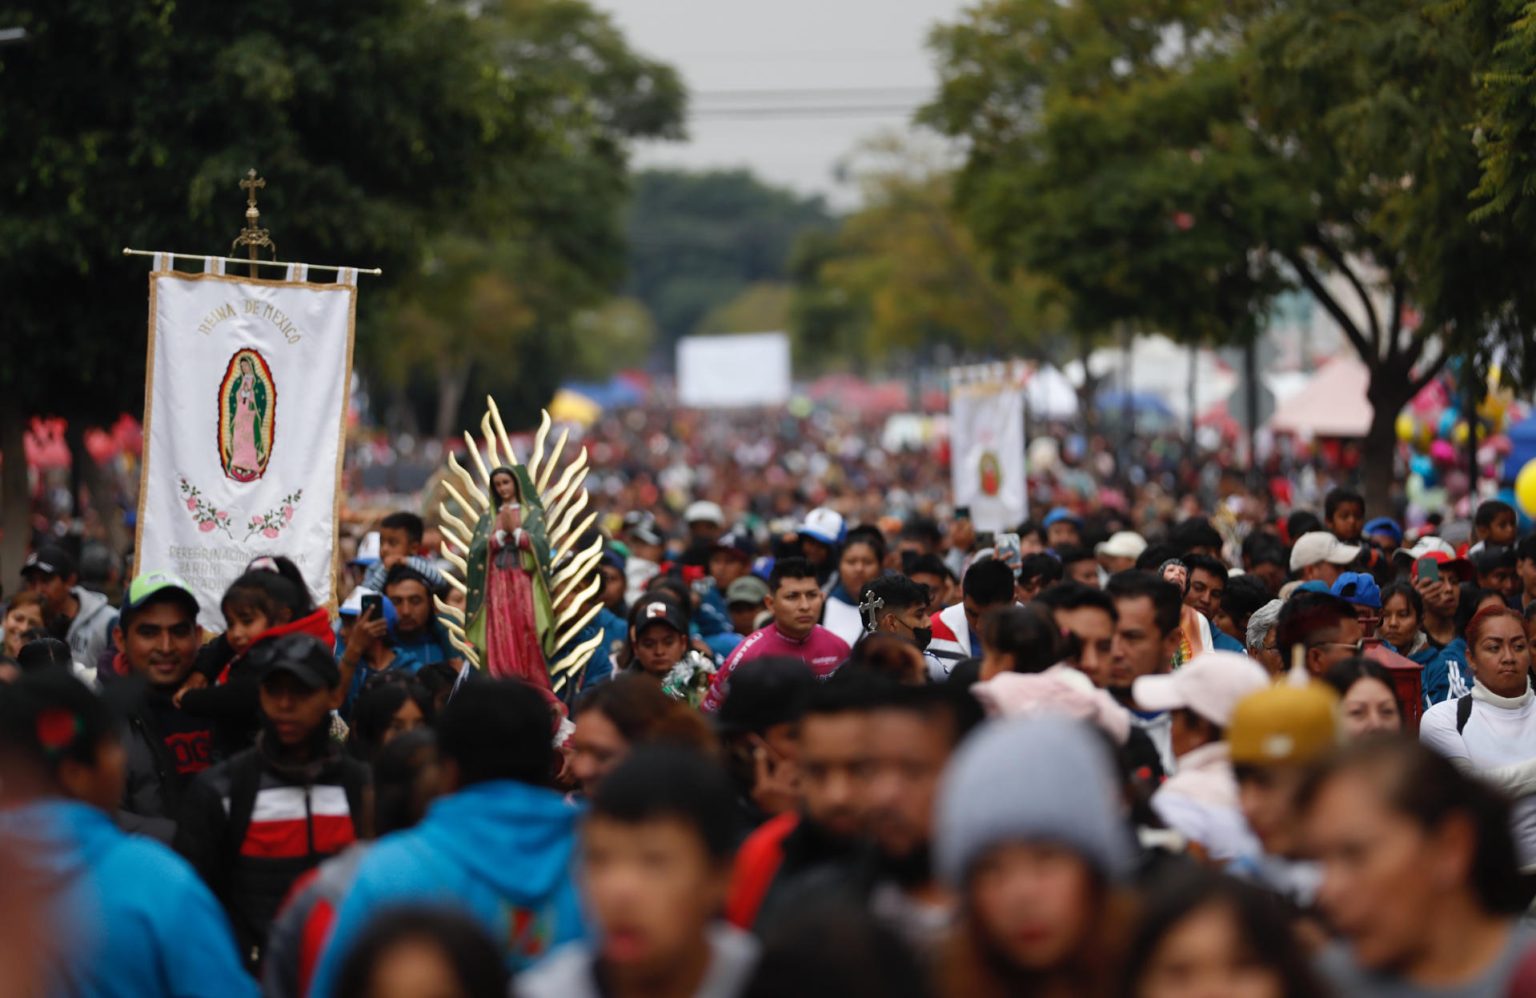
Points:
x=699, y=240
x=382, y=128
x=1180, y=163
x=902, y=277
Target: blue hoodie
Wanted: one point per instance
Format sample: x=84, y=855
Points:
x=499, y=852
x=132, y=917
x=1446, y=676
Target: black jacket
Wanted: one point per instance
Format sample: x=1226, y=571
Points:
x=166, y=749
x=253, y=825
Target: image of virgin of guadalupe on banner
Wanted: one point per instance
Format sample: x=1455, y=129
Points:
x=244, y=418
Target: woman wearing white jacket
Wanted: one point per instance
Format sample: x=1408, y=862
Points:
x=1492, y=730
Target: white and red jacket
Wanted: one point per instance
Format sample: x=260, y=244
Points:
x=951, y=640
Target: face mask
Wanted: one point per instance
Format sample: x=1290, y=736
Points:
x=921, y=636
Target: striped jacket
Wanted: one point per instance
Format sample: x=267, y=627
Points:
x=251, y=827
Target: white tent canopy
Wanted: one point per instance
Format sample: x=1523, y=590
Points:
x=1160, y=367
x=1049, y=395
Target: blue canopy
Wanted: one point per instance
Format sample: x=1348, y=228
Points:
x=1113, y=400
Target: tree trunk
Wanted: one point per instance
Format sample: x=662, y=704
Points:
x=1251, y=406
x=452, y=383
x=1388, y=392
x=15, y=498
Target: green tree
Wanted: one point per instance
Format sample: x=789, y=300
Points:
x=903, y=278
x=1180, y=163
x=380, y=127
x=697, y=240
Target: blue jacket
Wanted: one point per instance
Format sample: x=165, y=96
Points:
x=1446, y=672
x=133, y=917
x=1222, y=641
x=498, y=852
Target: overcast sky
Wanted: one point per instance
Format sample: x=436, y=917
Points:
x=786, y=87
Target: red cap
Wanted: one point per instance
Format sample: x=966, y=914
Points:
x=1460, y=567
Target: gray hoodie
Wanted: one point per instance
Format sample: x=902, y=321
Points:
x=569, y=971
x=91, y=629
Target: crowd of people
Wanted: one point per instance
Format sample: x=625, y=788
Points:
x=821, y=749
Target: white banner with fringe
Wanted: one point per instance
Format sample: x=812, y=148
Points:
x=244, y=419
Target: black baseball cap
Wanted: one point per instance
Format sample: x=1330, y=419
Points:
x=762, y=693
x=654, y=610
x=49, y=560
x=304, y=657
x=738, y=543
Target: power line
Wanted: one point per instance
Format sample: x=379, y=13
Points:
x=826, y=111
x=809, y=93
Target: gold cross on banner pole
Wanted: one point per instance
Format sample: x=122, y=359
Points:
x=253, y=237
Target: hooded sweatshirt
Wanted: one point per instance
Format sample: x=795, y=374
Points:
x=499, y=852
x=131, y=917
x=90, y=630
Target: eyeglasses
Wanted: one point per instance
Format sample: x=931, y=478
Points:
x=1355, y=646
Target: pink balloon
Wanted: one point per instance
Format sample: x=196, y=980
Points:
x=1442, y=450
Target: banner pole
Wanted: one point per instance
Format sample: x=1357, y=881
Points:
x=374, y=271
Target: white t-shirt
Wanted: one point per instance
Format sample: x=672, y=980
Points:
x=1501, y=731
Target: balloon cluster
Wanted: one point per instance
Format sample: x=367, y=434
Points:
x=1434, y=441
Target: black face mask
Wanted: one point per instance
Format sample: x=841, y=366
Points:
x=921, y=636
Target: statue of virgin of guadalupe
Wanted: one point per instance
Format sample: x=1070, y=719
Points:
x=508, y=578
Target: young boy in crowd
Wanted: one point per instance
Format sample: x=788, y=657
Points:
x=1344, y=514
x=400, y=535
x=255, y=824
x=1494, y=525
x=656, y=861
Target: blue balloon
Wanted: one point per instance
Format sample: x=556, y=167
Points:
x=1421, y=465
x=1448, y=421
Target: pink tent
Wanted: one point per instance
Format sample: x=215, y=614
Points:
x=1333, y=404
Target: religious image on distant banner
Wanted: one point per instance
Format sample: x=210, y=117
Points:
x=244, y=417
x=986, y=432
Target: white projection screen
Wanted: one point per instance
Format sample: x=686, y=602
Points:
x=729, y=372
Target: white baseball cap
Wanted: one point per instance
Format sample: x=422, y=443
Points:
x=705, y=512
x=1125, y=544
x=1212, y=684
x=1319, y=546
x=824, y=525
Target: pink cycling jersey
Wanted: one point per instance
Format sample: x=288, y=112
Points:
x=822, y=650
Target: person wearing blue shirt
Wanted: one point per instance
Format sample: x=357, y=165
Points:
x=498, y=848
x=131, y=917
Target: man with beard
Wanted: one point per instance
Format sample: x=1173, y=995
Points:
x=832, y=759
x=1146, y=638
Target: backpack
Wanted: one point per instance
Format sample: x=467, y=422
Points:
x=1463, y=712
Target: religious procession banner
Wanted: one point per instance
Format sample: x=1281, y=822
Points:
x=986, y=436
x=244, y=418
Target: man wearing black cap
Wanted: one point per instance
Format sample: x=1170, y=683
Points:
x=74, y=613
x=253, y=825
x=122, y=915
